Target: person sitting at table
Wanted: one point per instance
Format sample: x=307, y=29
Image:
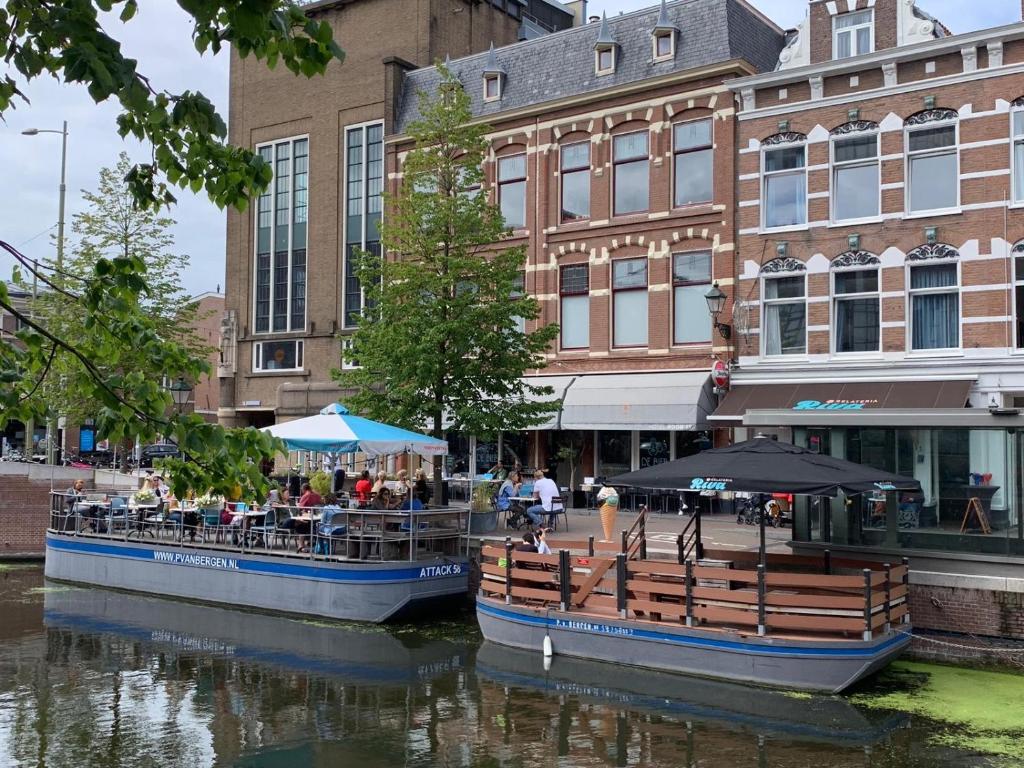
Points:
x=309, y=497
x=404, y=488
x=545, y=491
x=73, y=498
x=364, y=488
x=498, y=471
x=384, y=499
x=420, y=489
x=380, y=483
x=509, y=488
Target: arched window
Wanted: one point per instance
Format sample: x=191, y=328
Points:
x=784, y=308
x=784, y=180
x=856, y=183
x=933, y=161
x=856, y=303
x=933, y=282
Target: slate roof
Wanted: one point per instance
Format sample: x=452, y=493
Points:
x=561, y=64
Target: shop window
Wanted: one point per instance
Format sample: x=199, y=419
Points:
x=575, y=174
x=631, y=173
x=654, y=448
x=856, y=310
x=512, y=190
x=785, y=316
x=934, y=307
x=694, y=162
x=853, y=34
x=574, y=290
x=856, y=189
x=691, y=280
x=933, y=162
x=784, y=193
x=614, y=453
x=629, y=303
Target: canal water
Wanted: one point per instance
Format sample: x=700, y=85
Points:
x=96, y=678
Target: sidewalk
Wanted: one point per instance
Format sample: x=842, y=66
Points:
x=718, y=532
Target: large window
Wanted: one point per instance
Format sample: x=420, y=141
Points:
x=512, y=190
x=281, y=213
x=856, y=310
x=691, y=279
x=853, y=34
x=694, y=162
x=785, y=315
x=935, y=306
x=1018, y=154
x=632, y=185
x=576, y=181
x=574, y=288
x=1018, y=289
x=283, y=355
x=364, y=183
x=855, y=178
x=614, y=453
x=629, y=291
x=518, y=292
x=785, y=186
x=934, y=168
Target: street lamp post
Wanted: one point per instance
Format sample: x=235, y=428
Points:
x=60, y=244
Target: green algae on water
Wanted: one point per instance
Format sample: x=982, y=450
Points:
x=984, y=709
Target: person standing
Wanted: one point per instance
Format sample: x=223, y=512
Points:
x=609, y=498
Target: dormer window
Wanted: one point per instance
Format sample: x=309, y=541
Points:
x=606, y=60
x=492, y=87
x=604, y=49
x=663, y=36
x=853, y=34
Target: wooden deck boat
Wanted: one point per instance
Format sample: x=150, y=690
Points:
x=813, y=624
x=370, y=565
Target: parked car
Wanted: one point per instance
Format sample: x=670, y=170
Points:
x=151, y=453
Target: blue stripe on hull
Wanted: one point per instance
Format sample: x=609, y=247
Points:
x=334, y=572
x=596, y=627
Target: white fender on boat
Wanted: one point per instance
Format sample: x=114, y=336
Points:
x=548, y=652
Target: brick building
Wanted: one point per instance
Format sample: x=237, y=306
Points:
x=206, y=392
x=285, y=283
x=615, y=176
x=879, y=276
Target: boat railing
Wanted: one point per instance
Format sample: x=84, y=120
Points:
x=320, y=533
x=834, y=599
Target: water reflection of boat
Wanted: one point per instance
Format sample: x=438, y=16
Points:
x=357, y=653
x=763, y=711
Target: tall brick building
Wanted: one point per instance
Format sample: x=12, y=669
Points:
x=616, y=177
x=879, y=277
x=286, y=255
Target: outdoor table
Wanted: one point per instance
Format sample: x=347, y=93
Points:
x=140, y=511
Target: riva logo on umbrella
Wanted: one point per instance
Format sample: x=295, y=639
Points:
x=834, y=405
x=709, y=483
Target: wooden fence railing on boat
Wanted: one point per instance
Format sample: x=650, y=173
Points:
x=789, y=595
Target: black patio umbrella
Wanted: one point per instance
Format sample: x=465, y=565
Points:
x=763, y=465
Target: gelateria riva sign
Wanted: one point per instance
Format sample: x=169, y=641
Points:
x=709, y=483
x=834, y=405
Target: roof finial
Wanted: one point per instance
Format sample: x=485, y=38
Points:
x=664, y=23
x=604, y=34
x=491, y=66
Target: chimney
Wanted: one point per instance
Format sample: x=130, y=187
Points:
x=594, y=19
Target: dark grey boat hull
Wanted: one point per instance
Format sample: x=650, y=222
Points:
x=350, y=591
x=826, y=667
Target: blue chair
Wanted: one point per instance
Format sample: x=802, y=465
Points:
x=266, y=529
x=210, y=520
x=334, y=526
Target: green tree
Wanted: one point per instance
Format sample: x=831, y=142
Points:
x=440, y=340
x=113, y=226
x=64, y=39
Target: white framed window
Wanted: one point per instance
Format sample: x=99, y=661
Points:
x=1017, y=131
x=933, y=163
x=691, y=280
x=1018, y=292
x=853, y=34
x=575, y=177
x=512, y=190
x=364, y=187
x=784, y=186
x=693, y=166
x=492, y=87
x=629, y=302
x=281, y=224
x=574, y=310
x=856, y=310
x=281, y=355
x=604, y=59
x=934, y=306
x=784, y=325
x=631, y=169
x=856, y=181
x=348, y=363
x=664, y=45
x=518, y=292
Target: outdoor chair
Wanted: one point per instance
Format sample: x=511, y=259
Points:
x=267, y=530
x=558, y=507
x=210, y=521
x=118, y=514
x=333, y=527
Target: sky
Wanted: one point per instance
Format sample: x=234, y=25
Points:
x=160, y=38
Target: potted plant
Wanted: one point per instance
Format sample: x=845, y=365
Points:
x=483, y=516
x=321, y=483
x=143, y=496
x=209, y=502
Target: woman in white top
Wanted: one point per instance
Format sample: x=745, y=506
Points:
x=609, y=509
